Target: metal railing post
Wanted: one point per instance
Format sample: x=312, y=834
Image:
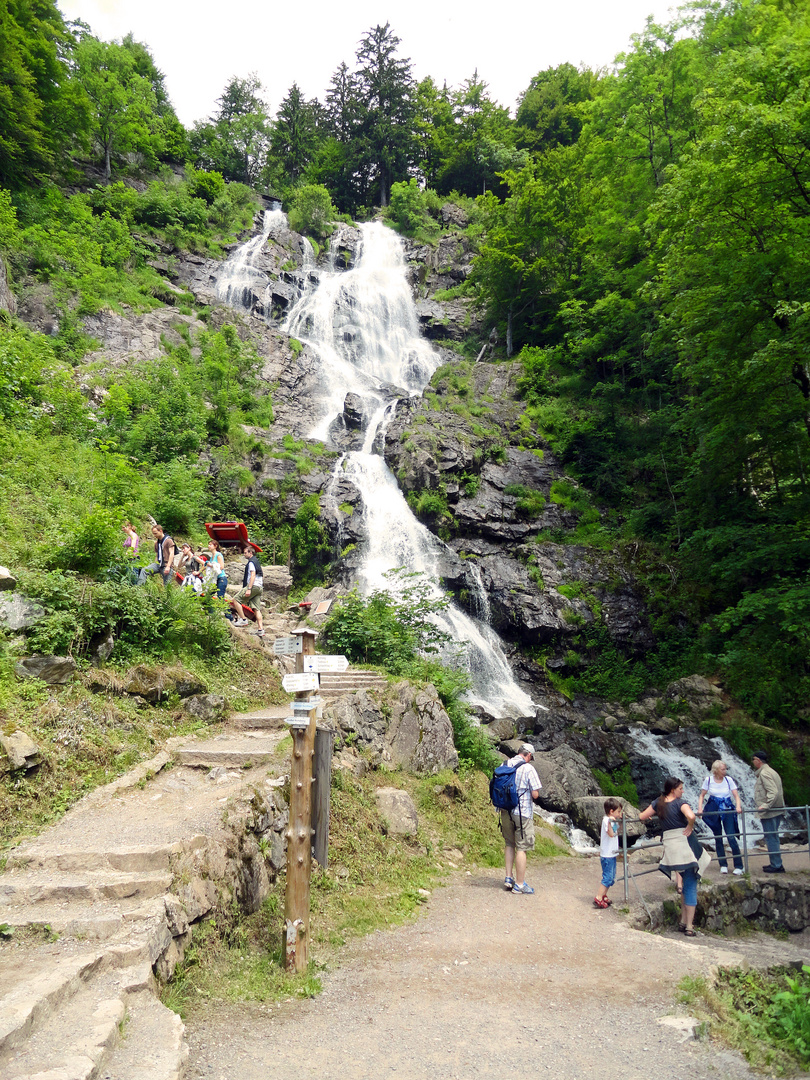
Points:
x=744, y=843
x=807, y=824
x=624, y=858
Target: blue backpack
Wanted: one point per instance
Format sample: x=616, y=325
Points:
x=503, y=787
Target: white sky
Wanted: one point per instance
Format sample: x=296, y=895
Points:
x=199, y=46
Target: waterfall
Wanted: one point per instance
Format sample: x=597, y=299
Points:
x=240, y=277
x=362, y=325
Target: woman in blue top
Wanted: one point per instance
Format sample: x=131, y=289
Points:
x=722, y=808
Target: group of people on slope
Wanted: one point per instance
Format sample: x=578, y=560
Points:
x=204, y=572
x=718, y=802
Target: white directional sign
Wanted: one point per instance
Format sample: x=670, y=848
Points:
x=293, y=683
x=287, y=646
x=325, y=663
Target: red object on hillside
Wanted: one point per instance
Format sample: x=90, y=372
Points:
x=305, y=603
x=229, y=533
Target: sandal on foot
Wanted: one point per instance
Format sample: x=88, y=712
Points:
x=682, y=927
x=600, y=903
x=690, y=933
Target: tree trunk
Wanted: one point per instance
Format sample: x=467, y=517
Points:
x=509, y=332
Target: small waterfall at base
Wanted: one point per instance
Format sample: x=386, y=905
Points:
x=693, y=772
x=362, y=324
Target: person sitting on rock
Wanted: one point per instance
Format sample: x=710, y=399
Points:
x=251, y=591
x=164, y=554
x=132, y=541
x=188, y=562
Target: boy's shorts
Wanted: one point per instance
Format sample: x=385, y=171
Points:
x=522, y=840
x=608, y=870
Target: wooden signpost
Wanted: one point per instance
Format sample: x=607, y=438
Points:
x=299, y=833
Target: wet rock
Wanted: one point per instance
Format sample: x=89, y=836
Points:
x=398, y=811
x=54, y=670
x=7, y=580
x=565, y=776
x=20, y=613
x=18, y=751
x=587, y=813
x=353, y=412
x=206, y=707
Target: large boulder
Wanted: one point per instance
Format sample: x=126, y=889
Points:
x=566, y=777
x=8, y=301
x=420, y=735
x=54, y=670
x=20, y=613
x=398, y=811
x=206, y=707
x=18, y=751
x=587, y=813
x=694, y=696
x=405, y=724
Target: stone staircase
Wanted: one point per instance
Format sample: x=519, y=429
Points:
x=345, y=682
x=98, y=905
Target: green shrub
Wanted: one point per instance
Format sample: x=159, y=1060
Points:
x=311, y=211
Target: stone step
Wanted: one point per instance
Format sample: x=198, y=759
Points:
x=34, y=986
x=83, y=920
x=271, y=719
x=25, y=887
x=70, y=1033
x=152, y=1046
x=130, y=860
x=237, y=750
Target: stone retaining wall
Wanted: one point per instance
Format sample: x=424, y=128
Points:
x=731, y=906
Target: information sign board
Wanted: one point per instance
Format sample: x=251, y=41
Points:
x=287, y=646
x=317, y=662
x=294, y=683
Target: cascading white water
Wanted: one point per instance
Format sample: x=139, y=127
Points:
x=693, y=772
x=240, y=277
x=362, y=324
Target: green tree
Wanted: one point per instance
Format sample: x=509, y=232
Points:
x=548, y=112
x=386, y=90
x=235, y=139
x=123, y=105
x=32, y=86
x=292, y=142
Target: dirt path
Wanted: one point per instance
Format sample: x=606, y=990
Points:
x=487, y=984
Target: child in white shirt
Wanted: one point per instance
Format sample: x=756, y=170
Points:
x=608, y=850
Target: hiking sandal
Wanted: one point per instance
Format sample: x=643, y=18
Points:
x=600, y=903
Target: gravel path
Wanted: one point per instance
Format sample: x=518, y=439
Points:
x=487, y=984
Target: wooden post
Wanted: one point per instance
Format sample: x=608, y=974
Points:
x=299, y=833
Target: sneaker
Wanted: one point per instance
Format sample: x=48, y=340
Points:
x=260, y=633
x=723, y=869
x=524, y=888
x=773, y=869
x=509, y=883
x=240, y=622
x=738, y=872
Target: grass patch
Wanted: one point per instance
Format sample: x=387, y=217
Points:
x=765, y=1015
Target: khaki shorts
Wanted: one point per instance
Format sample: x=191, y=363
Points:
x=512, y=834
x=251, y=597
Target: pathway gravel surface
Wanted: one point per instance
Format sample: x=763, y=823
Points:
x=489, y=984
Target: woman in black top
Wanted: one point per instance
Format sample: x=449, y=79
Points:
x=678, y=821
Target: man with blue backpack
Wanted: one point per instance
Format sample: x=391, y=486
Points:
x=513, y=788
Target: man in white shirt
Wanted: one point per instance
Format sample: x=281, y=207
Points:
x=517, y=826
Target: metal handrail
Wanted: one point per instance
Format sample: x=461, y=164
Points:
x=743, y=834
